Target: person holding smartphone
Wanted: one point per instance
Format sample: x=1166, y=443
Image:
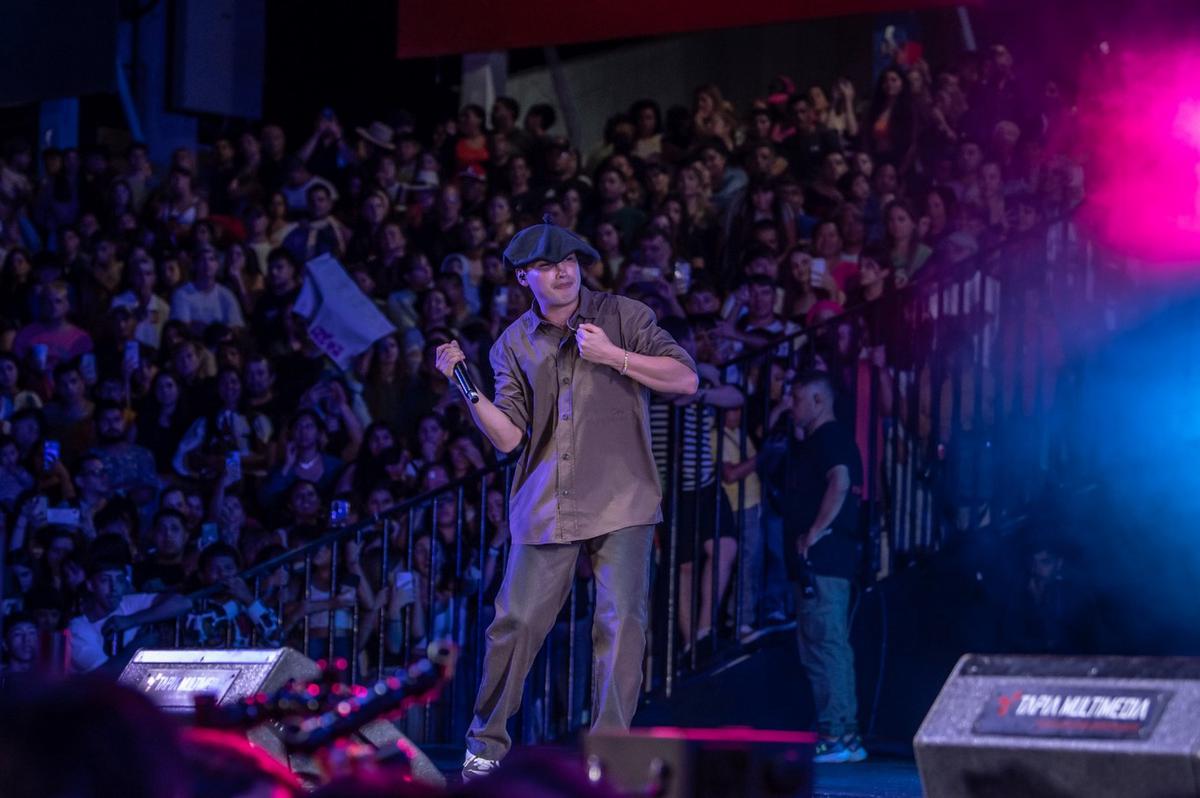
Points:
x=573, y=377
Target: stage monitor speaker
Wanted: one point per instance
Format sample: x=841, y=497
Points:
x=1051, y=727
x=218, y=57
x=703, y=763
x=172, y=678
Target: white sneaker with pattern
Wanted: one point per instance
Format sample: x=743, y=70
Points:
x=475, y=767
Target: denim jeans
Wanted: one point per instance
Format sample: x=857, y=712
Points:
x=776, y=593
x=751, y=564
x=823, y=632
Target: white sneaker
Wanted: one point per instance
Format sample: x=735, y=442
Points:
x=475, y=767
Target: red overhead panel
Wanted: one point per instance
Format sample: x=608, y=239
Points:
x=442, y=27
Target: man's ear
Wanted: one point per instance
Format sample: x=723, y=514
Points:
x=521, y=277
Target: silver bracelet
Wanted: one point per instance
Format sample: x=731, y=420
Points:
x=625, y=367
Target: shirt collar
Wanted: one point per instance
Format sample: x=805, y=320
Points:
x=586, y=312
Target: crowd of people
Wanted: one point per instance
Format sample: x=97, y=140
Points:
x=168, y=421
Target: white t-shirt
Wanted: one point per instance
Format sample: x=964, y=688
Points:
x=87, y=639
x=218, y=304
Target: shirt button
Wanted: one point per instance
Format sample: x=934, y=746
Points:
x=566, y=416
x=566, y=380
x=566, y=457
x=566, y=493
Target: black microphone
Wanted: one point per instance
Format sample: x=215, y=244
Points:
x=465, y=383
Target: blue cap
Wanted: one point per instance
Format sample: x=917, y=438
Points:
x=548, y=242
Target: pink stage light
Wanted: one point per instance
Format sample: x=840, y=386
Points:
x=1139, y=131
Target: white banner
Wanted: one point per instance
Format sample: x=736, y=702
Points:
x=342, y=320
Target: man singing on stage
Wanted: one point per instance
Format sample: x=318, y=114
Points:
x=573, y=376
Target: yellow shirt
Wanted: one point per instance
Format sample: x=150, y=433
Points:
x=731, y=453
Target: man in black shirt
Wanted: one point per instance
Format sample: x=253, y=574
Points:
x=817, y=472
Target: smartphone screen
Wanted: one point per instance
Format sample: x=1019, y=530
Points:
x=208, y=535
x=818, y=271
x=50, y=453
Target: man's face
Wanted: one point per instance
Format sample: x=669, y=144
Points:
x=106, y=252
x=258, y=377
x=273, y=140
x=449, y=202
x=761, y=125
x=305, y=432
x=762, y=300
x=281, y=274
x=8, y=374
x=194, y=503
x=475, y=233
x=393, y=238
x=763, y=266
x=385, y=175
x=419, y=274
x=229, y=388
x=110, y=426
x=502, y=117
x=612, y=186
x=970, y=157
x=885, y=179
x=764, y=159
x=714, y=162
x=553, y=284
x=186, y=360
x=828, y=243
x=170, y=536
x=805, y=404
x=870, y=272
x=304, y=500
x=22, y=643
x=656, y=252
x=802, y=113
x=93, y=476
x=207, y=265
x=1045, y=565
x=793, y=195
x=835, y=166
x=56, y=305
x=69, y=386
x=767, y=237
x=701, y=303
x=108, y=588
x=320, y=204
x=143, y=275
x=10, y=456
x=518, y=170
x=374, y=209
x=218, y=569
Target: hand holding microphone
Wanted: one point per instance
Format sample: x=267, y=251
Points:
x=452, y=363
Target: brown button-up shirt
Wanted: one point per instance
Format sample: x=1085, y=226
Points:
x=587, y=467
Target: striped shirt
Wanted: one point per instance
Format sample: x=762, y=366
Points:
x=697, y=430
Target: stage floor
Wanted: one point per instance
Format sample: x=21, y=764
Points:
x=875, y=778
x=878, y=777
